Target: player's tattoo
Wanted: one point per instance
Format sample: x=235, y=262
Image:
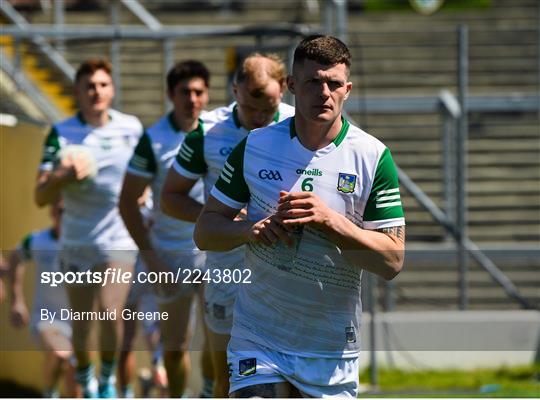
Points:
x=265, y=390
x=397, y=231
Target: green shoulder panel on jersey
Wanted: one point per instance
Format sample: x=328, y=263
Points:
x=26, y=247
x=231, y=181
x=384, y=200
x=51, y=147
x=191, y=153
x=143, y=158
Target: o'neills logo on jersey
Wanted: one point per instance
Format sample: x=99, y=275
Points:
x=311, y=172
x=270, y=175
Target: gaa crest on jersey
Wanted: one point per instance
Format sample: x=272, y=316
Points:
x=247, y=366
x=346, y=182
x=106, y=143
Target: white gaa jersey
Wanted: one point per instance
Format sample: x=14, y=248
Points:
x=152, y=158
x=203, y=155
x=91, y=216
x=310, y=306
x=42, y=248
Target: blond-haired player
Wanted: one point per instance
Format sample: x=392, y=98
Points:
x=259, y=85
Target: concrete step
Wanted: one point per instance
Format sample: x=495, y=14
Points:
x=447, y=66
x=501, y=202
x=476, y=146
x=478, y=159
x=406, y=52
x=488, y=217
x=491, y=188
x=484, y=294
x=413, y=279
x=481, y=234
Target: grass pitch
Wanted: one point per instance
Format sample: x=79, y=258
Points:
x=501, y=382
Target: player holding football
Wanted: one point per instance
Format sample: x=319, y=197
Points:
x=323, y=204
x=258, y=87
x=84, y=159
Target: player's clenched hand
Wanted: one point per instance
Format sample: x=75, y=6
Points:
x=268, y=231
x=301, y=208
x=19, y=315
x=75, y=167
x=242, y=215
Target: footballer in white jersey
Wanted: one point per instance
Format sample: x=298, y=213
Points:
x=84, y=160
x=355, y=173
x=91, y=218
x=258, y=87
x=42, y=248
x=50, y=329
x=151, y=160
x=323, y=204
x=167, y=245
x=203, y=155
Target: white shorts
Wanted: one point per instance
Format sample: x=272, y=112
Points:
x=37, y=326
x=219, y=297
x=142, y=297
x=314, y=377
x=84, y=258
x=218, y=306
x=175, y=260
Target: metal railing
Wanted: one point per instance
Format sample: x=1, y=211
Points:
x=50, y=112
x=38, y=40
x=454, y=141
x=453, y=166
x=454, y=188
x=167, y=35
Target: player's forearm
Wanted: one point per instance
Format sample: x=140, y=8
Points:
x=377, y=252
x=216, y=232
x=134, y=222
x=180, y=206
x=16, y=278
x=49, y=185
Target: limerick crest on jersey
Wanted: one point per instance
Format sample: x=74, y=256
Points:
x=346, y=182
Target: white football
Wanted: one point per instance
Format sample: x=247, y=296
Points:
x=78, y=151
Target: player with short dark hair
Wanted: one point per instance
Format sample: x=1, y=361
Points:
x=323, y=204
x=258, y=88
x=168, y=244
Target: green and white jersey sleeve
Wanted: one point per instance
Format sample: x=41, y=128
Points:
x=152, y=159
x=51, y=149
x=143, y=161
x=91, y=217
x=42, y=248
x=190, y=161
x=25, y=248
x=310, y=306
x=231, y=188
x=384, y=208
x=203, y=156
